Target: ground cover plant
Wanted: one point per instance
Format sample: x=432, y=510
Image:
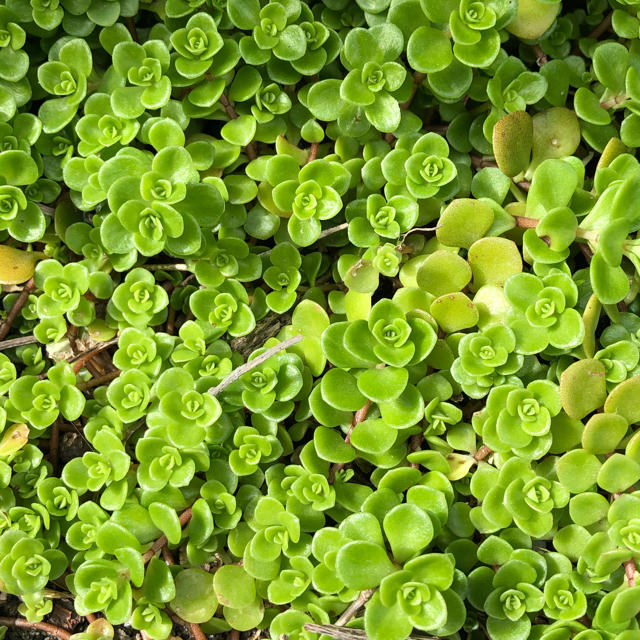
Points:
x=320, y=319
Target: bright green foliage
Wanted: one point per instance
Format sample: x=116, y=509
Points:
x=516, y=493
x=542, y=312
x=223, y=310
x=102, y=585
x=520, y=419
x=26, y=567
x=421, y=166
x=321, y=313
x=514, y=595
x=63, y=289
x=377, y=218
x=138, y=301
x=417, y=596
x=283, y=277
x=310, y=198
x=40, y=402
x=486, y=359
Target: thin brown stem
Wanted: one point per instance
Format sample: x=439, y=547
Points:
x=630, y=572
x=614, y=101
x=414, y=230
x=332, y=230
x=605, y=25
x=541, y=56
x=233, y=114
x=17, y=342
x=100, y=380
x=480, y=162
x=313, y=152
x=234, y=634
x=586, y=251
x=54, y=441
x=185, y=516
x=167, y=556
x=525, y=185
x=236, y=374
x=72, y=336
x=437, y=128
x=359, y=416
x=228, y=107
x=196, y=631
x=418, y=79
x=340, y=633
x=171, y=321
x=51, y=629
x=526, y=223
x=482, y=453
x=323, y=234
x=21, y=300
x=415, y=443
x=132, y=29
x=80, y=359
x=350, y=612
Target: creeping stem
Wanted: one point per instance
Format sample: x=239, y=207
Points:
x=16, y=308
x=17, y=342
x=359, y=416
x=340, y=633
x=185, y=516
x=231, y=112
x=350, y=612
x=236, y=374
x=52, y=630
x=482, y=453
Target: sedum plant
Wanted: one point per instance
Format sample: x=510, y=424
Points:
x=320, y=319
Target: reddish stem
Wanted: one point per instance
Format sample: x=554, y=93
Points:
x=541, y=56
x=526, y=223
x=85, y=357
x=586, y=251
x=418, y=79
x=480, y=162
x=232, y=113
x=171, y=321
x=167, y=556
x=53, y=445
x=51, y=629
x=100, y=380
x=359, y=416
x=313, y=152
x=630, y=572
x=72, y=336
x=185, y=516
x=602, y=27
x=196, y=631
x=21, y=300
x=354, y=607
x=132, y=29
x=482, y=453
x=414, y=445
